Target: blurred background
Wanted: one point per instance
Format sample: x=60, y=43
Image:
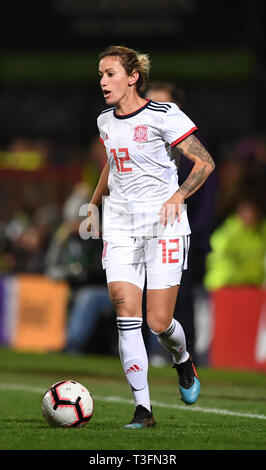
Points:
x=52, y=288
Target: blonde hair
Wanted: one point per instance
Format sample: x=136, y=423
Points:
x=132, y=61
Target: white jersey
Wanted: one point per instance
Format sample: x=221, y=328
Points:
x=142, y=173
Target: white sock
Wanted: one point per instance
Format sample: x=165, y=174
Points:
x=134, y=358
x=173, y=339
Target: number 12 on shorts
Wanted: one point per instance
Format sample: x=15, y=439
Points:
x=169, y=247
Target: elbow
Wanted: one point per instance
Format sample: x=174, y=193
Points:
x=211, y=166
x=206, y=167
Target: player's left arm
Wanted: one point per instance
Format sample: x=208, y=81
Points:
x=193, y=149
x=204, y=164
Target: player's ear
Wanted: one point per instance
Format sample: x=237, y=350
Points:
x=133, y=78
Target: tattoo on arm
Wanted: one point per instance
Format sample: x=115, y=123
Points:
x=191, y=146
x=193, y=182
x=193, y=149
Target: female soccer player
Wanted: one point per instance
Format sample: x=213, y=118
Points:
x=145, y=225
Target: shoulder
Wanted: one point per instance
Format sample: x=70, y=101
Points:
x=161, y=107
x=106, y=114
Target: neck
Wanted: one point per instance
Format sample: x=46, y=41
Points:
x=130, y=103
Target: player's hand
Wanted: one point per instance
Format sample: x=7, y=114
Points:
x=93, y=221
x=171, y=209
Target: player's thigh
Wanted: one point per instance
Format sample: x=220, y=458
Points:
x=125, y=284
x=126, y=298
x=166, y=258
x=160, y=306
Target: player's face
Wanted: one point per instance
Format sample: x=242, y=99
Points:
x=114, y=80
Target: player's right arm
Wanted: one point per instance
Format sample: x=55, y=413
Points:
x=96, y=200
x=102, y=187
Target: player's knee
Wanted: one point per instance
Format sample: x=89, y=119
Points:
x=124, y=307
x=124, y=303
x=158, y=325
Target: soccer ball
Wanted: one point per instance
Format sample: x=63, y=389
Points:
x=67, y=404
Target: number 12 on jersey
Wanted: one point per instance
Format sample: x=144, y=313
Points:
x=121, y=156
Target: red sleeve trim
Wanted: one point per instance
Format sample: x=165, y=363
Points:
x=183, y=136
x=101, y=140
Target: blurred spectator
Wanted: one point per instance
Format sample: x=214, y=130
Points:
x=238, y=248
x=167, y=92
x=243, y=165
x=29, y=251
x=7, y=261
x=25, y=239
x=78, y=261
x=200, y=208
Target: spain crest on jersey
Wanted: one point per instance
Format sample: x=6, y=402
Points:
x=140, y=134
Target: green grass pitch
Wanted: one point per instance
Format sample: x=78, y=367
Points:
x=229, y=415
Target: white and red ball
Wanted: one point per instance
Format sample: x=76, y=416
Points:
x=67, y=404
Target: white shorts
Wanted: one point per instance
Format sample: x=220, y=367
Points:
x=160, y=261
